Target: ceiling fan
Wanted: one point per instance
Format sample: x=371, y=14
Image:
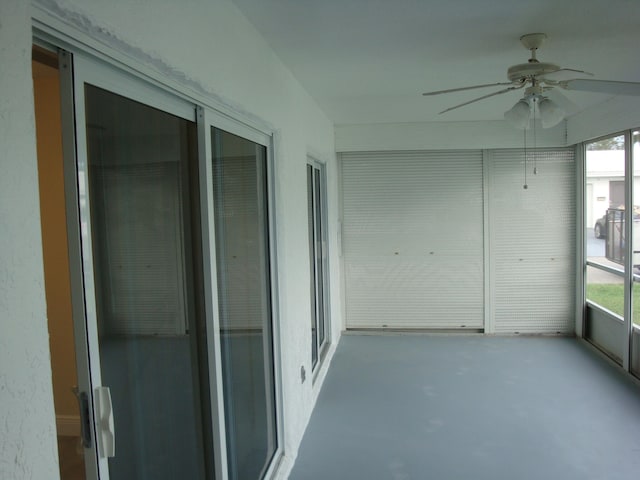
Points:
x=537, y=78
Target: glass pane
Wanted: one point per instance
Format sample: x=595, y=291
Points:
x=244, y=299
x=635, y=351
x=636, y=228
x=605, y=289
x=319, y=254
x=636, y=304
x=635, y=343
x=605, y=201
x=312, y=265
x=138, y=163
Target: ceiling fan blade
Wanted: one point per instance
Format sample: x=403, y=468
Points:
x=438, y=92
x=602, y=86
x=562, y=101
x=480, y=98
x=564, y=74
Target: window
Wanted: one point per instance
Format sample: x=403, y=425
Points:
x=604, y=223
x=317, y=258
x=612, y=241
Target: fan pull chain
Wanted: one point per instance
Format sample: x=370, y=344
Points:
x=525, y=186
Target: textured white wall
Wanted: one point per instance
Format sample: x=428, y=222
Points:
x=616, y=114
x=27, y=423
x=442, y=136
x=211, y=47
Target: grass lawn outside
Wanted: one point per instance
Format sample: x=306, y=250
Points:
x=611, y=297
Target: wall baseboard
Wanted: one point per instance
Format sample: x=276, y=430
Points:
x=68, y=425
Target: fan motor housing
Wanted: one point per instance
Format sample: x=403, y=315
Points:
x=528, y=70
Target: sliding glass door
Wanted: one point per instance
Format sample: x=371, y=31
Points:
x=145, y=389
x=171, y=256
x=139, y=191
x=239, y=179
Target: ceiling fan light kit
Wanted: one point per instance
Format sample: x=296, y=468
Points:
x=519, y=114
x=550, y=113
x=540, y=77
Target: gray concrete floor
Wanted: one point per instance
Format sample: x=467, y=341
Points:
x=441, y=407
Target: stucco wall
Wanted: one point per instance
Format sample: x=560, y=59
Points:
x=27, y=426
x=204, y=43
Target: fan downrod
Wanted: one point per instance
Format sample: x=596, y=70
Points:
x=527, y=72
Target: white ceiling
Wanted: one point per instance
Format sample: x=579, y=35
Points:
x=368, y=61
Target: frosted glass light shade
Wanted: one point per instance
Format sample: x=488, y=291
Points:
x=519, y=115
x=550, y=113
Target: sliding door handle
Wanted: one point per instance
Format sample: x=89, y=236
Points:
x=105, y=430
x=85, y=416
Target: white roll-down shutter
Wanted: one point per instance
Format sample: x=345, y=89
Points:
x=413, y=239
x=532, y=241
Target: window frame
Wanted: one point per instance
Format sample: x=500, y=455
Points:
x=321, y=346
x=625, y=323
